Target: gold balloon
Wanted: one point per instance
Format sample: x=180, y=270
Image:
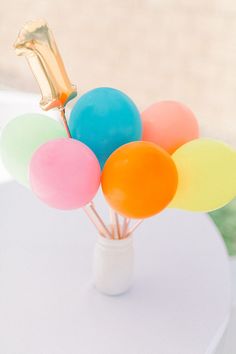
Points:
x=36, y=42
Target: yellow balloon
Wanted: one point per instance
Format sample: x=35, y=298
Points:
x=207, y=175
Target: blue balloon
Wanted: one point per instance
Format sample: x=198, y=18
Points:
x=104, y=119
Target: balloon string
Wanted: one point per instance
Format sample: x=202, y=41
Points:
x=89, y=209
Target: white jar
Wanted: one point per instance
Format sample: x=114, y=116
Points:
x=113, y=265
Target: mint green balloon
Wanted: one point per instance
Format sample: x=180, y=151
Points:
x=21, y=137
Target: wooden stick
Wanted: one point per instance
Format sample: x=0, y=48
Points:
x=126, y=223
x=90, y=215
x=134, y=227
x=64, y=121
x=112, y=221
x=97, y=219
x=115, y=223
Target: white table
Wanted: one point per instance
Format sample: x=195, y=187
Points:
x=180, y=302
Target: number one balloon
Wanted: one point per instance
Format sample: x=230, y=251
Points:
x=36, y=42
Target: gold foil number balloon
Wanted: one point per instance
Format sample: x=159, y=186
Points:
x=37, y=43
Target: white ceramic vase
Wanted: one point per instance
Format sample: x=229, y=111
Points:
x=113, y=265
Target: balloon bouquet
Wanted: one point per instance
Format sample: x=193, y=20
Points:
x=144, y=163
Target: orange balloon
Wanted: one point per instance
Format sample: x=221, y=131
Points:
x=139, y=179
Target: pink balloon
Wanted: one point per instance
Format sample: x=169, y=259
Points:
x=169, y=124
x=65, y=173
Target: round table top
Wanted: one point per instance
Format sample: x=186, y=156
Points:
x=179, y=304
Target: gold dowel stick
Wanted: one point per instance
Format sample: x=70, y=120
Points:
x=64, y=121
x=112, y=221
x=115, y=222
x=98, y=218
x=97, y=224
x=126, y=223
x=134, y=227
x=117, y=225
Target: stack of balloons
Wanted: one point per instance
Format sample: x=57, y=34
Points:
x=144, y=162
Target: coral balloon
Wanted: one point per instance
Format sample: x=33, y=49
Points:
x=207, y=175
x=169, y=124
x=21, y=137
x=65, y=174
x=104, y=119
x=139, y=179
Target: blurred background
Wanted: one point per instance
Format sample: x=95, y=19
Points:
x=151, y=49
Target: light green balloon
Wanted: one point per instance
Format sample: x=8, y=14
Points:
x=21, y=137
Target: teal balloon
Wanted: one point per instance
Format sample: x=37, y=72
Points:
x=104, y=119
x=21, y=137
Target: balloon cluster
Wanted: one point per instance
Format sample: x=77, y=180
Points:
x=144, y=162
